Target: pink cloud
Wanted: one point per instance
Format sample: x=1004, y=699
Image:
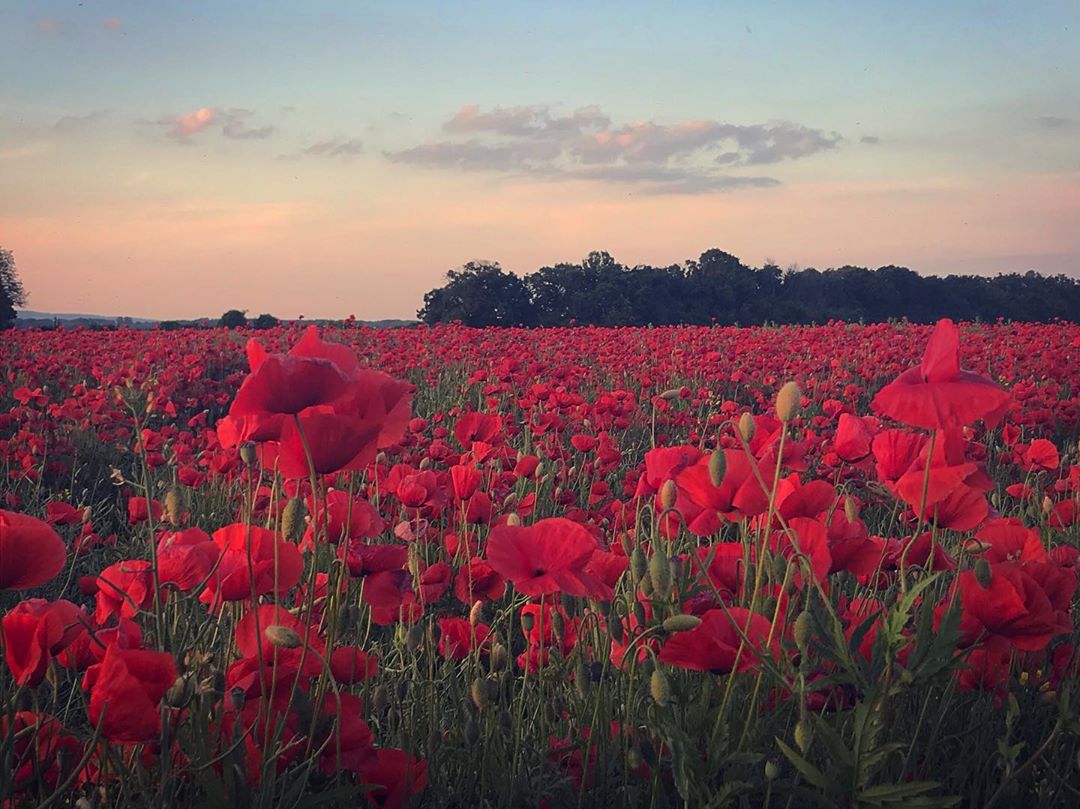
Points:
x=112, y=23
x=184, y=126
x=51, y=25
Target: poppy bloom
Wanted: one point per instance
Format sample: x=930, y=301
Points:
x=36, y=630
x=126, y=688
x=253, y=561
x=32, y=553
x=1014, y=606
x=124, y=588
x=350, y=664
x=938, y=394
x=457, y=637
x=43, y=751
x=549, y=556
x=714, y=645
x=739, y=495
x=397, y=777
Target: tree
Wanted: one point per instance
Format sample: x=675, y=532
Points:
x=481, y=294
x=233, y=319
x=264, y=321
x=12, y=293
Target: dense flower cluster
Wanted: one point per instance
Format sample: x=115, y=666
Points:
x=588, y=506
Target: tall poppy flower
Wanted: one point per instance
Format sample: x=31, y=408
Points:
x=126, y=688
x=714, y=644
x=31, y=552
x=938, y=394
x=253, y=560
x=549, y=556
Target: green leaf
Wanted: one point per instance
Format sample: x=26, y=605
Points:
x=809, y=771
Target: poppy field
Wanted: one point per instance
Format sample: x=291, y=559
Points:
x=578, y=567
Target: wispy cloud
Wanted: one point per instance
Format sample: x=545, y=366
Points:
x=685, y=157
x=232, y=123
x=73, y=123
x=52, y=26
x=112, y=23
x=1055, y=122
x=336, y=147
x=870, y=140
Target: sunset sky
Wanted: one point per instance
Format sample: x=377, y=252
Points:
x=177, y=158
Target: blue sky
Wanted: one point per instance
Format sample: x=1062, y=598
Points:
x=375, y=145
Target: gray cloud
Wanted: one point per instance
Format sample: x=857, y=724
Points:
x=234, y=125
x=336, y=147
x=871, y=140
x=1055, y=122
x=661, y=158
x=72, y=123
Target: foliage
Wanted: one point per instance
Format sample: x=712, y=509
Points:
x=718, y=288
x=11, y=289
x=233, y=319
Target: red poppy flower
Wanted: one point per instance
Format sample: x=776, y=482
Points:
x=36, y=630
x=1014, y=606
x=478, y=581
x=458, y=638
x=124, y=588
x=739, y=495
x=350, y=664
x=253, y=561
x=185, y=558
x=126, y=688
x=714, y=644
x=43, y=750
x=397, y=777
x=549, y=556
x=938, y=394
x=31, y=552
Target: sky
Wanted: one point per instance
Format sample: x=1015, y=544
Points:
x=178, y=158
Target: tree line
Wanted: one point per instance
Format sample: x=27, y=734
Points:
x=718, y=288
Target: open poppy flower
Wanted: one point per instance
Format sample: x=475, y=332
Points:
x=715, y=644
x=126, y=688
x=549, y=556
x=938, y=394
x=31, y=552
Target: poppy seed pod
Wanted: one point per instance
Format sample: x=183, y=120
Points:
x=660, y=688
x=681, y=623
x=717, y=467
x=180, y=692
x=292, y=519
x=668, y=493
x=746, y=427
x=248, y=453
x=788, y=402
x=283, y=636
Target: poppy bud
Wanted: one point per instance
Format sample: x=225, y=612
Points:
x=509, y=500
x=802, y=631
x=668, y=494
x=476, y=613
x=772, y=771
x=248, y=453
x=681, y=623
x=283, y=636
x=779, y=566
x=983, y=573
x=292, y=519
x=788, y=402
x=660, y=573
x=180, y=692
x=639, y=613
x=581, y=680
x=499, y=657
x=627, y=543
x=528, y=621
x=639, y=565
x=380, y=458
x=424, y=465
x=513, y=520
x=717, y=467
x=670, y=394
x=660, y=688
x=479, y=693
x=851, y=511
x=746, y=427
x=803, y=735
x=976, y=546
x=558, y=625
x=174, y=505
x=615, y=627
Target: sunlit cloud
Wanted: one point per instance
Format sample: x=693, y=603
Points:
x=683, y=157
x=112, y=24
x=231, y=123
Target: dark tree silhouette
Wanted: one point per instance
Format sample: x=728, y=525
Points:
x=12, y=293
x=233, y=319
x=718, y=288
x=264, y=321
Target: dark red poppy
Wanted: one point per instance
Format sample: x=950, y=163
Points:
x=478, y=581
x=397, y=777
x=549, y=556
x=124, y=588
x=938, y=394
x=43, y=753
x=126, y=688
x=252, y=560
x=32, y=552
x=36, y=630
x=1014, y=606
x=185, y=558
x=715, y=645
x=458, y=638
x=350, y=664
